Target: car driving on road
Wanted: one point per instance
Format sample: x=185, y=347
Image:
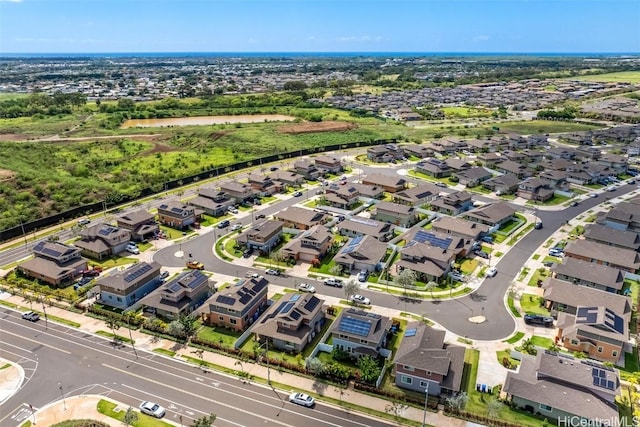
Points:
x=333, y=282
x=305, y=287
x=272, y=272
x=152, y=409
x=31, y=316
x=302, y=399
x=492, y=272
x=195, y=265
x=360, y=299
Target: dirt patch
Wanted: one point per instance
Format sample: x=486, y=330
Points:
x=15, y=137
x=158, y=148
x=6, y=174
x=310, y=127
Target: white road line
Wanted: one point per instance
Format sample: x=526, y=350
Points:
x=38, y=342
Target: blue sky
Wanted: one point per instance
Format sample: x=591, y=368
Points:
x=70, y=26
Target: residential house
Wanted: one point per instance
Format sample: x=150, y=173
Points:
x=54, y=263
x=555, y=165
x=369, y=191
x=559, y=387
x=263, y=185
x=589, y=274
x=140, y=223
x=473, y=177
x=616, y=162
x=590, y=251
x=557, y=180
x=503, y=184
x=238, y=191
x=328, y=164
x=262, y=236
x=457, y=165
x=415, y=196
x=514, y=156
x=560, y=153
x=482, y=146
x=385, y=153
x=531, y=156
x=360, y=333
x=291, y=322
x=418, y=150
x=102, y=240
x=493, y=214
x=623, y=216
x=424, y=363
x=301, y=218
x=459, y=227
x=394, y=213
x=429, y=262
x=212, y=202
x=452, y=203
x=358, y=226
x=309, y=245
x=287, y=178
x=490, y=159
x=307, y=169
x=176, y=214
x=520, y=170
x=179, y=296
x=592, y=321
x=341, y=196
x=535, y=189
x=456, y=244
x=237, y=306
x=586, y=153
x=434, y=168
x=447, y=146
x=361, y=253
x=123, y=288
x=392, y=184
x=612, y=237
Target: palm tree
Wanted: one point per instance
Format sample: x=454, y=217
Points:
x=114, y=325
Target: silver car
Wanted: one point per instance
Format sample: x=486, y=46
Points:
x=152, y=409
x=302, y=399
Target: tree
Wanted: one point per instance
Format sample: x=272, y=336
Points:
x=430, y=286
x=131, y=417
x=314, y=365
x=405, y=279
x=113, y=325
x=188, y=324
x=458, y=402
x=528, y=347
x=554, y=348
x=336, y=270
x=494, y=407
x=351, y=288
x=369, y=369
x=206, y=421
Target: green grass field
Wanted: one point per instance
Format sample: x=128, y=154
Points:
x=541, y=126
x=623, y=76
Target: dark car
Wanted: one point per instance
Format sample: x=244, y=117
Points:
x=574, y=204
x=537, y=319
x=538, y=225
x=481, y=254
x=487, y=239
x=90, y=273
x=247, y=253
x=224, y=223
x=260, y=216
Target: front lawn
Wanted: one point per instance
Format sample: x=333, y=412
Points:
x=113, y=261
x=218, y=334
x=539, y=274
x=468, y=266
x=543, y=342
x=531, y=304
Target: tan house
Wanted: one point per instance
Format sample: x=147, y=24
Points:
x=181, y=295
x=176, y=214
x=394, y=213
x=309, y=245
x=262, y=236
x=459, y=227
x=238, y=191
x=54, y=263
x=392, y=184
x=102, y=240
x=301, y=218
x=140, y=223
x=237, y=306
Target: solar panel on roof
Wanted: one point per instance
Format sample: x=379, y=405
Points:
x=348, y=250
x=51, y=252
x=430, y=238
x=225, y=299
x=613, y=321
x=245, y=298
x=410, y=332
x=586, y=315
x=295, y=315
x=175, y=287
x=354, y=326
x=287, y=307
x=176, y=210
x=295, y=297
x=311, y=304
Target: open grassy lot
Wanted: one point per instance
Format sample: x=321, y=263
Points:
x=623, y=76
x=465, y=112
x=541, y=126
x=109, y=409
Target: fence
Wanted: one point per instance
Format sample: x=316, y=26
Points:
x=32, y=226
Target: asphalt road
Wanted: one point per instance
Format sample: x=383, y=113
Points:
x=83, y=363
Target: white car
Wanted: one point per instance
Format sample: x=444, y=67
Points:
x=133, y=249
x=302, y=399
x=232, y=210
x=152, y=409
x=272, y=272
x=492, y=272
x=251, y=275
x=236, y=227
x=359, y=299
x=305, y=287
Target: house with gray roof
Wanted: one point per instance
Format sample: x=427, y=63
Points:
x=102, y=240
x=240, y=192
x=360, y=333
x=370, y=191
x=238, y=306
x=493, y=215
x=394, y=213
x=598, y=253
x=533, y=188
x=287, y=178
x=623, y=216
x=178, y=296
x=429, y=262
x=176, y=214
x=589, y=274
x=612, y=237
x=263, y=185
x=301, y=218
x=309, y=245
x=361, y=253
x=328, y=163
x=392, y=184
x=490, y=159
x=434, y=168
x=503, y=184
x=560, y=387
x=453, y=203
x=263, y=236
x=515, y=168
x=55, y=263
x=123, y=288
x=459, y=227
x=473, y=176
x=291, y=322
x=457, y=244
x=418, y=150
x=359, y=226
x=307, y=169
x=415, y=196
x=140, y=223
x=425, y=362
x=212, y=202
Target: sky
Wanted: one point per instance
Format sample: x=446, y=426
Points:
x=522, y=26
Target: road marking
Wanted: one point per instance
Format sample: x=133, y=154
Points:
x=37, y=342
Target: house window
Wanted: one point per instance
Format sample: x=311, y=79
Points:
x=232, y=321
x=545, y=407
x=220, y=318
x=406, y=380
x=599, y=349
x=408, y=368
x=575, y=342
x=424, y=384
x=614, y=353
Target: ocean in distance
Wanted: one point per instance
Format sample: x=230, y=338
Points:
x=314, y=54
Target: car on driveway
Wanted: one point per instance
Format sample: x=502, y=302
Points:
x=232, y=209
x=457, y=276
x=152, y=409
x=272, y=272
x=487, y=239
x=556, y=252
x=481, y=254
x=537, y=319
x=305, y=287
x=332, y=281
x=492, y=272
x=302, y=399
x=131, y=248
x=360, y=299
x=362, y=276
x=195, y=265
x=31, y=316
x=90, y=273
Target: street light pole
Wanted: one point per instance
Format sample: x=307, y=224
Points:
x=266, y=343
x=64, y=402
x=426, y=400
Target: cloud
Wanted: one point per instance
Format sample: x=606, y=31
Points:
x=481, y=38
x=56, y=40
x=360, y=39
x=11, y=1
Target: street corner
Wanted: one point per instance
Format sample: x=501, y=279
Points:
x=72, y=408
x=11, y=378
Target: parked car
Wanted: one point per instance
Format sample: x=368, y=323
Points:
x=251, y=274
x=332, y=281
x=491, y=272
x=360, y=299
x=247, y=253
x=236, y=227
x=297, y=194
x=487, y=239
x=83, y=281
x=537, y=319
x=481, y=254
x=272, y=272
x=457, y=276
x=131, y=248
x=224, y=223
x=593, y=195
x=31, y=316
x=441, y=184
x=574, y=204
x=362, y=276
x=273, y=168
x=232, y=209
x=305, y=287
x=548, y=263
x=195, y=265
x=302, y=399
x=152, y=409
x=90, y=273
x=556, y=252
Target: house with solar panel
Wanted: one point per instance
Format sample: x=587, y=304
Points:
x=178, y=296
x=307, y=169
x=211, y=201
x=360, y=333
x=418, y=195
x=359, y=226
x=54, y=263
x=361, y=253
x=560, y=387
x=291, y=323
x=424, y=362
x=121, y=289
x=140, y=223
x=240, y=192
x=262, y=236
x=458, y=245
x=429, y=262
x=237, y=306
x=341, y=196
x=309, y=245
x=103, y=240
x=176, y=214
